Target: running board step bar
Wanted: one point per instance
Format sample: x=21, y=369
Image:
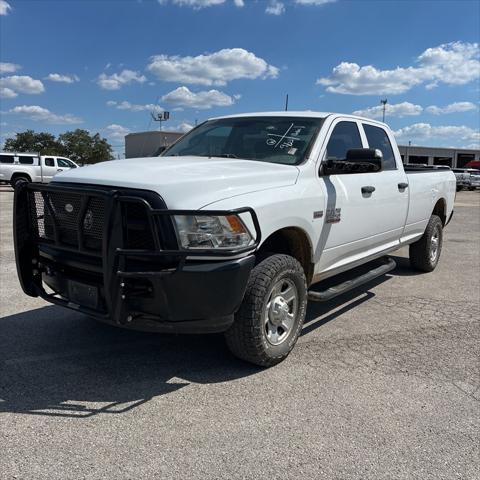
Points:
x=351, y=284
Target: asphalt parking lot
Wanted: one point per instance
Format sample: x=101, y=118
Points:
x=384, y=383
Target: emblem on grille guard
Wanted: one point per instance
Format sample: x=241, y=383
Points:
x=68, y=207
x=88, y=220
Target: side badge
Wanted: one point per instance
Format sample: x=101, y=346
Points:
x=333, y=215
x=318, y=214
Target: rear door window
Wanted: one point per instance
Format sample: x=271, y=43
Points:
x=49, y=162
x=377, y=138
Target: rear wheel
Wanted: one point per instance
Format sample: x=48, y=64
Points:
x=271, y=316
x=18, y=179
x=425, y=253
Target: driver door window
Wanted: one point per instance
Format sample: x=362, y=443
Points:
x=344, y=137
x=63, y=163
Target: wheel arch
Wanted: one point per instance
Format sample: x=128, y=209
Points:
x=20, y=174
x=293, y=241
x=440, y=209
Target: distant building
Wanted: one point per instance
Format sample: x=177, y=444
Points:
x=148, y=144
x=452, y=157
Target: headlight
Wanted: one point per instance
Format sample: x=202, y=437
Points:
x=226, y=231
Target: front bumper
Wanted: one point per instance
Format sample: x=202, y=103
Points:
x=163, y=288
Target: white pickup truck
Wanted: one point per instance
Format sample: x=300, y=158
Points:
x=31, y=167
x=228, y=230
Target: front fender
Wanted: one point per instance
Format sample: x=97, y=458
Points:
x=277, y=209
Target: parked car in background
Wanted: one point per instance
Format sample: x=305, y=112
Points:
x=31, y=167
x=228, y=230
x=474, y=178
x=467, y=178
x=463, y=178
x=473, y=164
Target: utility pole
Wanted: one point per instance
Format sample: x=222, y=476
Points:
x=384, y=103
x=406, y=153
x=160, y=117
x=286, y=102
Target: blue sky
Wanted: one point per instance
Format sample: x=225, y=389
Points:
x=104, y=65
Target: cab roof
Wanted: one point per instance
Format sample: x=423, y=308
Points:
x=299, y=113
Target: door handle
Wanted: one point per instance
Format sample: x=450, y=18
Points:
x=368, y=189
x=402, y=186
x=59, y=169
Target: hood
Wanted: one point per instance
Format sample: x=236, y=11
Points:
x=186, y=182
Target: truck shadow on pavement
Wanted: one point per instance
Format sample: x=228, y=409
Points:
x=57, y=363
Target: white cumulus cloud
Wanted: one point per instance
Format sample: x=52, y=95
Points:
x=6, y=67
x=4, y=7
x=183, y=97
x=314, y=2
x=212, y=68
x=37, y=113
x=275, y=7
x=57, y=77
x=118, y=80
x=451, y=108
x=116, y=132
x=22, y=84
x=446, y=135
x=133, y=107
x=403, y=109
x=7, y=93
x=183, y=127
x=455, y=63
x=198, y=4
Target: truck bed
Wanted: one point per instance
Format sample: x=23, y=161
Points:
x=425, y=168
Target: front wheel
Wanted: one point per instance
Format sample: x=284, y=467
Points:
x=271, y=316
x=425, y=253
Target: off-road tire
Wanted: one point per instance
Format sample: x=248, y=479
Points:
x=247, y=337
x=421, y=251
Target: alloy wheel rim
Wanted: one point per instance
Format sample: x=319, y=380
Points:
x=280, y=311
x=434, y=245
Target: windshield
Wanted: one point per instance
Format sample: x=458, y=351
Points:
x=284, y=140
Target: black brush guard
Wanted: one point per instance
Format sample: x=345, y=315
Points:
x=163, y=283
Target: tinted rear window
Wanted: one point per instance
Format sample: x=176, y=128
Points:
x=26, y=160
x=6, y=158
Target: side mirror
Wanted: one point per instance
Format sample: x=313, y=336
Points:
x=372, y=158
x=359, y=160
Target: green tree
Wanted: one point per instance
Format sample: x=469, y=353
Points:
x=78, y=145
x=83, y=148
x=43, y=143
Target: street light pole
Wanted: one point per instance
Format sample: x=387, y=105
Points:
x=384, y=103
x=406, y=153
x=160, y=117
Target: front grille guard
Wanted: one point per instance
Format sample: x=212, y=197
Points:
x=114, y=256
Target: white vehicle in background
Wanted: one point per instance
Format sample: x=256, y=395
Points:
x=462, y=177
x=468, y=178
x=31, y=167
x=474, y=178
